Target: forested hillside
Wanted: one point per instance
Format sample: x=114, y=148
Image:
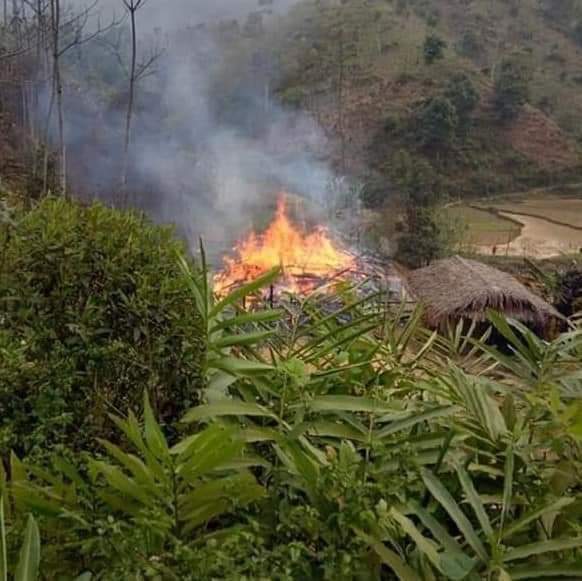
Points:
x=481, y=96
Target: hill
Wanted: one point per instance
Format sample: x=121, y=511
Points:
x=360, y=68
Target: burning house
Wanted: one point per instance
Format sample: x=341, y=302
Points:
x=307, y=259
x=311, y=258
x=457, y=288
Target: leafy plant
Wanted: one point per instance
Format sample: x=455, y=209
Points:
x=94, y=308
x=150, y=499
x=27, y=567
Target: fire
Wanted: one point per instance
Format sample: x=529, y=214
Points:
x=305, y=258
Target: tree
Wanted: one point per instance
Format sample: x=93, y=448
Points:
x=511, y=88
x=422, y=243
x=136, y=72
x=464, y=96
x=433, y=48
x=437, y=122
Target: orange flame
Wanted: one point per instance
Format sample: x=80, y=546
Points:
x=303, y=257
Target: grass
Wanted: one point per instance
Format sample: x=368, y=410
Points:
x=566, y=211
x=483, y=227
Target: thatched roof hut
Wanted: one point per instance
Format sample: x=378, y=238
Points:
x=457, y=288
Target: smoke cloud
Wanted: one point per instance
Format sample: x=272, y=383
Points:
x=202, y=159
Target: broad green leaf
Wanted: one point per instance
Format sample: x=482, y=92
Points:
x=250, y=288
x=122, y=483
x=437, y=530
x=438, y=490
x=3, y=549
x=572, y=571
x=475, y=501
x=226, y=408
x=153, y=433
x=240, y=367
x=241, y=340
x=555, y=506
x=137, y=468
x=217, y=497
x=452, y=565
x=507, y=484
x=346, y=403
x=68, y=470
x=197, y=285
x=335, y=430
x=258, y=434
x=131, y=429
x=218, y=384
x=17, y=468
x=343, y=340
x=480, y=404
x=37, y=500
x=243, y=463
x=414, y=419
x=266, y=316
x=390, y=558
x=213, y=448
x=299, y=463
x=29, y=560
x=525, y=551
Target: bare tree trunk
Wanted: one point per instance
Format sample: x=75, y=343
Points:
x=58, y=92
x=340, y=98
x=130, y=103
x=5, y=13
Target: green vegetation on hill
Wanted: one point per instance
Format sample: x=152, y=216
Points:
x=361, y=69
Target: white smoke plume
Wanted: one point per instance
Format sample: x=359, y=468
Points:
x=200, y=160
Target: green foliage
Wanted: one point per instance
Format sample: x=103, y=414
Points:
x=464, y=96
x=437, y=122
x=160, y=496
x=27, y=567
x=422, y=243
x=336, y=439
x=94, y=309
x=511, y=88
x=416, y=178
x=433, y=48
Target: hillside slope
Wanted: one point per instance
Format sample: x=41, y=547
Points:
x=358, y=67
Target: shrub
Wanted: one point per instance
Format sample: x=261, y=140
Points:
x=464, y=96
x=511, y=88
x=433, y=49
x=437, y=122
x=93, y=310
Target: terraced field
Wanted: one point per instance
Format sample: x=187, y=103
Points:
x=540, y=227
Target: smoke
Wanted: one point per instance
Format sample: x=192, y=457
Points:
x=210, y=144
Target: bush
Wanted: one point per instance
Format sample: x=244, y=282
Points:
x=433, y=49
x=464, y=96
x=93, y=310
x=437, y=122
x=511, y=88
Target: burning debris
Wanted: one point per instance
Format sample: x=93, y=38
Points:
x=307, y=260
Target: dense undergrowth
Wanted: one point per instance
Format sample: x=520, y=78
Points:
x=93, y=311
x=334, y=438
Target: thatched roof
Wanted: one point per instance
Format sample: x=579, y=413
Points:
x=457, y=288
